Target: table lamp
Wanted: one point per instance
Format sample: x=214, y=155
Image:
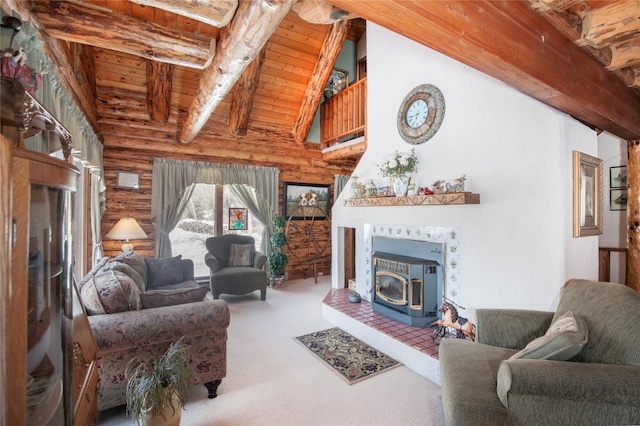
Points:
x=126, y=229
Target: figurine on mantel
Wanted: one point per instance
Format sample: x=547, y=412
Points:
x=412, y=187
x=13, y=66
x=444, y=187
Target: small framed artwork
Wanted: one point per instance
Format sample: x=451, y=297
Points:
x=618, y=199
x=305, y=200
x=338, y=81
x=618, y=177
x=587, y=195
x=127, y=180
x=238, y=219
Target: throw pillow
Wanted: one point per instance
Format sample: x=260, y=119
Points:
x=563, y=340
x=136, y=261
x=173, y=296
x=126, y=269
x=110, y=291
x=241, y=255
x=162, y=272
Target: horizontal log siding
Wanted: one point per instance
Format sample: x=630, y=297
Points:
x=131, y=145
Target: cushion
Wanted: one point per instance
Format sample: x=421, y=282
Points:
x=136, y=261
x=563, y=340
x=110, y=291
x=173, y=296
x=162, y=272
x=241, y=254
x=115, y=265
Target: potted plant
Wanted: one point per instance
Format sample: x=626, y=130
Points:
x=158, y=388
x=277, y=259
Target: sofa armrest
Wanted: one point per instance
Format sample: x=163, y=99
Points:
x=259, y=259
x=586, y=389
x=212, y=262
x=511, y=328
x=125, y=330
x=187, y=268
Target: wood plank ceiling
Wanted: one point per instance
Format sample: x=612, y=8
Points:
x=122, y=58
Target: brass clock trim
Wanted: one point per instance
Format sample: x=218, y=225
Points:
x=435, y=100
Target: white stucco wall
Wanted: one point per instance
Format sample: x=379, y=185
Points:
x=613, y=152
x=516, y=247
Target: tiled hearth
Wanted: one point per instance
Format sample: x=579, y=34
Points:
x=410, y=345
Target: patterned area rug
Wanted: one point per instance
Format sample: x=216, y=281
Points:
x=350, y=358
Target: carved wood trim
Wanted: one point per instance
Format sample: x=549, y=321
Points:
x=416, y=200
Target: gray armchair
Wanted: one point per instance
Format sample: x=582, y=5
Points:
x=483, y=385
x=236, y=266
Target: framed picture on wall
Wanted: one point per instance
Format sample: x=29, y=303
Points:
x=127, y=180
x=305, y=200
x=587, y=195
x=238, y=219
x=618, y=199
x=338, y=81
x=618, y=177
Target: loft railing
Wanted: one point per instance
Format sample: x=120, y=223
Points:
x=344, y=115
x=604, y=264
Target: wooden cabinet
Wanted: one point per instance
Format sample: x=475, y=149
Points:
x=48, y=373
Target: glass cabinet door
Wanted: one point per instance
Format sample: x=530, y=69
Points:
x=47, y=288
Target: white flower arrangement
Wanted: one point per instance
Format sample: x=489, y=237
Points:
x=399, y=164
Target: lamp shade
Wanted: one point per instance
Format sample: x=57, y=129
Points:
x=126, y=229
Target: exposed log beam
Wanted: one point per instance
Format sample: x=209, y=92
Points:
x=60, y=55
x=240, y=42
x=556, y=5
x=96, y=27
x=213, y=12
x=313, y=95
x=611, y=23
x=512, y=43
x=625, y=54
x=159, y=83
x=320, y=12
x=243, y=94
x=633, y=216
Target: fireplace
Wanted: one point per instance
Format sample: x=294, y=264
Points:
x=407, y=278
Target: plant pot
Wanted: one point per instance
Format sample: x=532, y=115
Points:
x=170, y=416
x=400, y=185
x=276, y=282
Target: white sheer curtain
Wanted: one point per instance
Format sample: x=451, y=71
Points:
x=171, y=178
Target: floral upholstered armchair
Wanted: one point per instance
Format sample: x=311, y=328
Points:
x=135, y=310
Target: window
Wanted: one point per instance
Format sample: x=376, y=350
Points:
x=206, y=215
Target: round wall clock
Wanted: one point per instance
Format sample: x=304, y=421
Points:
x=420, y=114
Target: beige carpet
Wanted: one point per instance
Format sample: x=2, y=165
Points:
x=271, y=381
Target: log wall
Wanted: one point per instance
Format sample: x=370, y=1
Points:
x=131, y=145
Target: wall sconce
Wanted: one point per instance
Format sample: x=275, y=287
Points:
x=126, y=229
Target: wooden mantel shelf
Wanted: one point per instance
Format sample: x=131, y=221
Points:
x=416, y=200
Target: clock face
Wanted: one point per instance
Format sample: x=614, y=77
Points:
x=417, y=113
x=421, y=114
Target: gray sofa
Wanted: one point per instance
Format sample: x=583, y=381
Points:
x=486, y=383
x=137, y=307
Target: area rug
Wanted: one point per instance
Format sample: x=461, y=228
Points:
x=352, y=359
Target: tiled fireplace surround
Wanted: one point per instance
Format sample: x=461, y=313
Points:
x=412, y=346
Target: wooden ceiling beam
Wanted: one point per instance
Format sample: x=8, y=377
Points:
x=240, y=42
x=510, y=42
x=625, y=54
x=320, y=12
x=313, y=95
x=77, y=23
x=242, y=99
x=159, y=83
x=611, y=23
x=217, y=13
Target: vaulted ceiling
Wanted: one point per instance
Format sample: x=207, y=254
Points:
x=267, y=61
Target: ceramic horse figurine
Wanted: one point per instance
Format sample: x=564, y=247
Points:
x=450, y=318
